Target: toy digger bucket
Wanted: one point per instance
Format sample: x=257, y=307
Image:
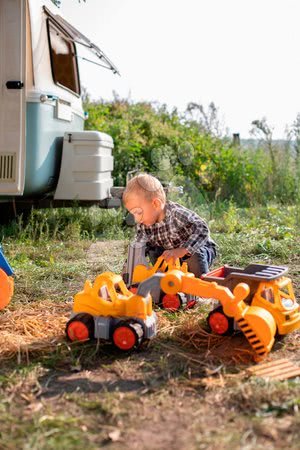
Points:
x=259, y=327
x=6, y=289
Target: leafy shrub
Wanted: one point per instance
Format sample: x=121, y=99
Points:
x=175, y=147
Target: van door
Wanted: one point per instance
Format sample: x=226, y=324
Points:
x=12, y=96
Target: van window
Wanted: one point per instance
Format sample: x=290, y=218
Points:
x=63, y=59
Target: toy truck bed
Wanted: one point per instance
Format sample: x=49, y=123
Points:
x=253, y=274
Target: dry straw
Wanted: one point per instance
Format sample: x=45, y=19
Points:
x=39, y=328
x=32, y=328
x=188, y=329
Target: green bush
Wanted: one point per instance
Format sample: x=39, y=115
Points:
x=174, y=147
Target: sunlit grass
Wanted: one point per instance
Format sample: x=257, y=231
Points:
x=125, y=393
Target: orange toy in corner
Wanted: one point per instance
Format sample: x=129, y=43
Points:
x=6, y=281
x=6, y=289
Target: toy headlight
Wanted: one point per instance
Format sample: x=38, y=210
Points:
x=287, y=303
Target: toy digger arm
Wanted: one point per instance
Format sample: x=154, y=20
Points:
x=136, y=259
x=175, y=281
x=146, y=286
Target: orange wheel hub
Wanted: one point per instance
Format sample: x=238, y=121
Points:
x=171, y=302
x=218, y=323
x=133, y=289
x=78, y=331
x=124, y=338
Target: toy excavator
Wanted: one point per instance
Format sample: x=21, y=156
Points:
x=138, y=269
x=6, y=281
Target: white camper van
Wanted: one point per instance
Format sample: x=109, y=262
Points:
x=45, y=156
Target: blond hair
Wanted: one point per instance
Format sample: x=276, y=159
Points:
x=147, y=186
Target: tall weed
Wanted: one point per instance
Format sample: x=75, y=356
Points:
x=68, y=224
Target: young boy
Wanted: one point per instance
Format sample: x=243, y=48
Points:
x=168, y=229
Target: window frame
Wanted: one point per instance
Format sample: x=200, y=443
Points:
x=73, y=46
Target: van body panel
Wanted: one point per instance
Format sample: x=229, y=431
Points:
x=43, y=166
x=12, y=100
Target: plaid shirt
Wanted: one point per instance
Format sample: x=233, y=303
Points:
x=180, y=228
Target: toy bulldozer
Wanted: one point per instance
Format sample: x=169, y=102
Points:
x=272, y=308
x=269, y=289
x=6, y=281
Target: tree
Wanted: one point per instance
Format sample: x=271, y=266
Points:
x=294, y=134
x=264, y=132
x=207, y=120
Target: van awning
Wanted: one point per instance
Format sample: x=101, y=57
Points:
x=78, y=38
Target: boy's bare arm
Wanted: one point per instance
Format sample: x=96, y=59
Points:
x=175, y=253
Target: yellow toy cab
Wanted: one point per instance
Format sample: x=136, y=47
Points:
x=108, y=310
x=270, y=289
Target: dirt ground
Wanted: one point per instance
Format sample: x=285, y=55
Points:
x=170, y=394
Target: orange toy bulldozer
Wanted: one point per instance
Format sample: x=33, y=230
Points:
x=269, y=289
x=256, y=323
x=6, y=281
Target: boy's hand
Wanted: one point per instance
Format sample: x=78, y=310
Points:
x=175, y=253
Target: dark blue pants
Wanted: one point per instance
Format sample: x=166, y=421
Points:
x=198, y=263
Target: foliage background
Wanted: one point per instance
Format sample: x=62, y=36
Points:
x=191, y=149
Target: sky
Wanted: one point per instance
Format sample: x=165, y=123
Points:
x=241, y=54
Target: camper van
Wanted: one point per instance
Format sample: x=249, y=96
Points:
x=46, y=157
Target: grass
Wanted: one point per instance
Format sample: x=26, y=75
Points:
x=180, y=392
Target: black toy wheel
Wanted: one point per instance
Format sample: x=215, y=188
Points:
x=171, y=302
x=127, y=335
x=219, y=323
x=81, y=327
